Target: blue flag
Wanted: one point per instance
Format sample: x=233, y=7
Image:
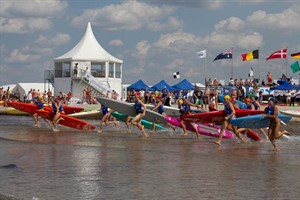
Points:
x=225, y=55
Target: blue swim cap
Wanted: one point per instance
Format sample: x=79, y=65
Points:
x=271, y=99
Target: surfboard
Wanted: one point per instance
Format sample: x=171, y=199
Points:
x=30, y=107
x=213, y=131
x=257, y=121
x=216, y=116
x=145, y=123
x=171, y=111
x=128, y=109
x=292, y=113
x=87, y=114
x=68, y=121
x=241, y=105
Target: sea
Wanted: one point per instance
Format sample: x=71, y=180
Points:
x=39, y=164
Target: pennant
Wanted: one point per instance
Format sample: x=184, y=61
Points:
x=225, y=55
x=278, y=54
x=202, y=54
x=176, y=75
x=295, y=67
x=250, y=55
x=250, y=73
x=295, y=55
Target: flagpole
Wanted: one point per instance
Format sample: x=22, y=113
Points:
x=205, y=63
x=232, y=64
x=286, y=62
x=258, y=66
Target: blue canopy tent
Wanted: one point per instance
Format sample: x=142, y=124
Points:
x=160, y=86
x=137, y=86
x=284, y=85
x=183, y=85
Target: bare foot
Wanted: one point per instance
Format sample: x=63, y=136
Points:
x=36, y=125
x=173, y=127
x=185, y=134
x=218, y=143
x=100, y=131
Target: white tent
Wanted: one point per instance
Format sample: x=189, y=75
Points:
x=88, y=49
x=24, y=88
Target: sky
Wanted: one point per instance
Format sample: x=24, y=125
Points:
x=154, y=38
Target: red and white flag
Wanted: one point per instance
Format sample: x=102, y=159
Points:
x=278, y=54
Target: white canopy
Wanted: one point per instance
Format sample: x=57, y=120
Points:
x=88, y=49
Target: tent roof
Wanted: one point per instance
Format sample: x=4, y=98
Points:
x=183, y=85
x=160, y=86
x=137, y=86
x=27, y=86
x=11, y=87
x=88, y=49
x=284, y=85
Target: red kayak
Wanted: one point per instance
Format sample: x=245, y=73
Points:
x=31, y=108
x=217, y=116
x=67, y=121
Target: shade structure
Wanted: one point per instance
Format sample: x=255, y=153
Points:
x=160, y=86
x=284, y=85
x=183, y=85
x=139, y=85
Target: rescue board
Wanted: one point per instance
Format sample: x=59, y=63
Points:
x=216, y=116
x=292, y=113
x=145, y=123
x=257, y=121
x=67, y=121
x=128, y=109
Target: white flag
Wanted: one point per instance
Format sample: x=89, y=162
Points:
x=202, y=54
x=251, y=72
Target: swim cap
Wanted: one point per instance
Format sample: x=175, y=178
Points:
x=40, y=97
x=247, y=100
x=226, y=97
x=271, y=99
x=180, y=101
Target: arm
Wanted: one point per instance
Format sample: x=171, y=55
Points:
x=156, y=107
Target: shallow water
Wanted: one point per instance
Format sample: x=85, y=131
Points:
x=83, y=165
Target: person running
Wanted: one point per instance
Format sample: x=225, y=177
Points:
x=106, y=112
x=257, y=106
x=185, y=109
x=140, y=113
x=57, y=108
x=40, y=106
x=160, y=109
x=230, y=114
x=271, y=112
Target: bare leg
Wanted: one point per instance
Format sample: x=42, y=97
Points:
x=237, y=133
x=223, y=127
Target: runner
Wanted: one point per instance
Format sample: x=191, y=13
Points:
x=140, y=111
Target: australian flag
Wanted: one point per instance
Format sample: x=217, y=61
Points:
x=225, y=55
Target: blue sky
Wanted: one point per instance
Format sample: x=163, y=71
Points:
x=154, y=39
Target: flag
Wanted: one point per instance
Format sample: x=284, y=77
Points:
x=202, y=54
x=295, y=55
x=251, y=55
x=278, y=54
x=250, y=73
x=176, y=75
x=295, y=67
x=225, y=55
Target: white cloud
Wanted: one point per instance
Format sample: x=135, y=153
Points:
x=230, y=24
x=22, y=25
x=143, y=48
x=116, y=42
x=32, y=8
x=177, y=42
x=16, y=56
x=286, y=20
x=210, y=4
x=130, y=15
x=58, y=39
x=172, y=24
